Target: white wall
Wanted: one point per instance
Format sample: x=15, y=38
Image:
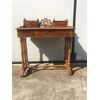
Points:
x=48, y=49
x=81, y=22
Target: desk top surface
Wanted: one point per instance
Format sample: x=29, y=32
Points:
x=48, y=28
x=46, y=32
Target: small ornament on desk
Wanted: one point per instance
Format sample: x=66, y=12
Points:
x=45, y=23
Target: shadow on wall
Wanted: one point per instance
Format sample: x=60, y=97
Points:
x=80, y=52
x=53, y=48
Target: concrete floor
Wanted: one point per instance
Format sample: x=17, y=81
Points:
x=50, y=84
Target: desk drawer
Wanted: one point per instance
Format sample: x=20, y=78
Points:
x=54, y=34
x=50, y=33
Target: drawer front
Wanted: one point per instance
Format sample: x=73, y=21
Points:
x=57, y=33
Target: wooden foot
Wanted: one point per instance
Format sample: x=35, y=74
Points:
x=26, y=72
x=69, y=69
x=22, y=76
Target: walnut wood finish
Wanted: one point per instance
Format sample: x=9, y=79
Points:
x=68, y=55
x=24, y=55
x=66, y=32
x=57, y=23
x=30, y=23
x=46, y=32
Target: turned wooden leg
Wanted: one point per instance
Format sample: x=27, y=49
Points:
x=68, y=55
x=25, y=64
x=22, y=55
x=26, y=56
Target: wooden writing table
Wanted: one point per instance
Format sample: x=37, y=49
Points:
x=66, y=32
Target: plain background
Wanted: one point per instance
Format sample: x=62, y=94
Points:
x=93, y=35
x=49, y=49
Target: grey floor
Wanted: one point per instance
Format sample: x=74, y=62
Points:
x=50, y=83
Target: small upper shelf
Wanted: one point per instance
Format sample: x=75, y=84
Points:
x=45, y=23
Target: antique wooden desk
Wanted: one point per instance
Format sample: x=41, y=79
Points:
x=66, y=32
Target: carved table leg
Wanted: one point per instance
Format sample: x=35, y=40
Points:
x=25, y=64
x=68, y=55
x=26, y=56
